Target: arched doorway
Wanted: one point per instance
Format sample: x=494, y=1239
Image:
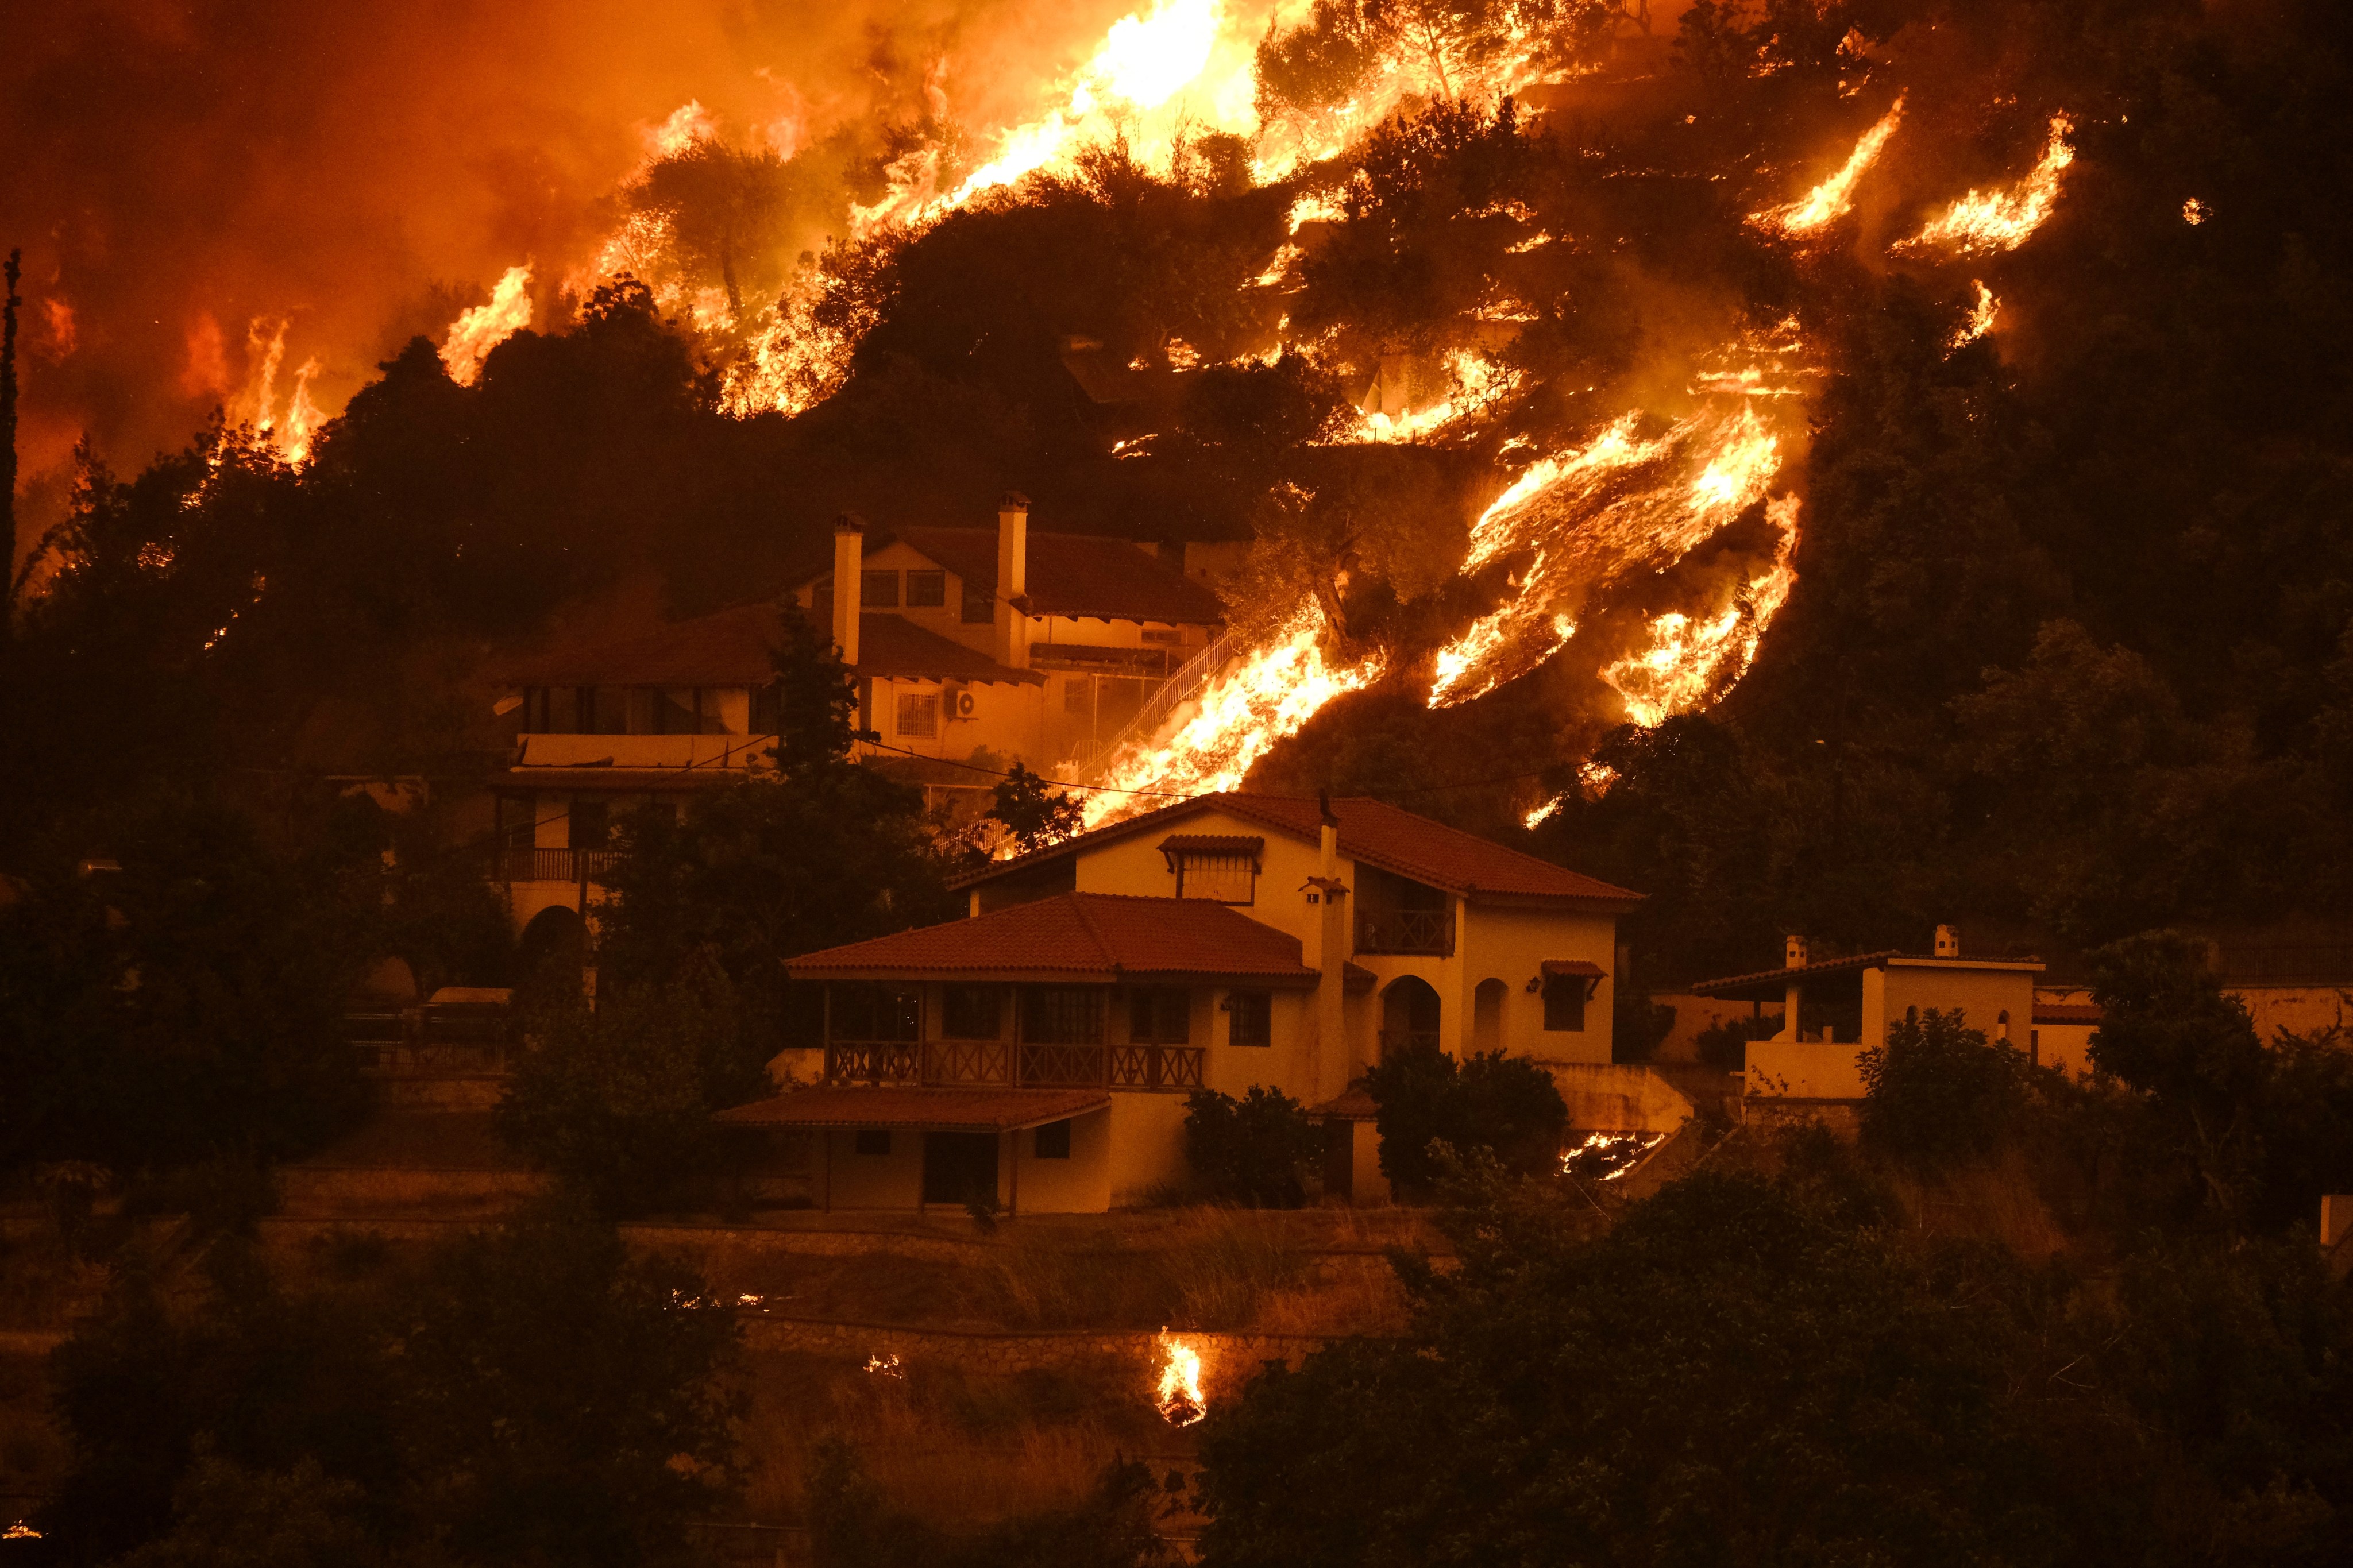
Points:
x=551, y=952
x=1487, y=1016
x=1409, y=1014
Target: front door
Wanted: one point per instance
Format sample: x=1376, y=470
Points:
x=959, y=1167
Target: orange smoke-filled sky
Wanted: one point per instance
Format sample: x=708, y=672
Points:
x=174, y=172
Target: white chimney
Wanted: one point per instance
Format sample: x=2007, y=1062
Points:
x=1948, y=941
x=848, y=581
x=1013, y=579
x=1793, y=953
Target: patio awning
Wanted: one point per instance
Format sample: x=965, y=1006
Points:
x=848, y=1108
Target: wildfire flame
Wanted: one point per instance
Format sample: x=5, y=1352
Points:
x=1179, y=1397
x=1834, y=197
x=478, y=331
x=1980, y=317
x=1592, y=514
x=1690, y=662
x=288, y=431
x=2002, y=220
x=1238, y=717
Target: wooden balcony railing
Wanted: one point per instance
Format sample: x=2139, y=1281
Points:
x=982, y=1063
x=555, y=865
x=1405, y=930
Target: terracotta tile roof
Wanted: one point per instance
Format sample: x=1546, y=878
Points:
x=847, y=1107
x=1583, y=968
x=1374, y=834
x=1071, y=574
x=737, y=647
x=1099, y=938
x=1355, y=1104
x=1766, y=983
x=1211, y=843
x=2069, y=1012
x=633, y=781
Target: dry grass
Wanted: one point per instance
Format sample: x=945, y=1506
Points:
x=1996, y=1200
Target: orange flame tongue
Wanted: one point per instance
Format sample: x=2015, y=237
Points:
x=1178, y=1396
x=1834, y=197
x=478, y=331
x=2002, y=220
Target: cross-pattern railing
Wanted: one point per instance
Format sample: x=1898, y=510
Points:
x=873, y=1061
x=968, y=1061
x=1061, y=1066
x=1405, y=930
x=1155, y=1067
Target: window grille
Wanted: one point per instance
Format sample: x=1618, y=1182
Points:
x=919, y=713
x=1225, y=879
x=1062, y=1015
x=1252, y=1014
x=1160, y=1015
x=926, y=590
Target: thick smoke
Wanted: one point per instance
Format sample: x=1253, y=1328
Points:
x=359, y=171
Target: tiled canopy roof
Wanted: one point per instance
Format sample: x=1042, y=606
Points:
x=1099, y=938
x=1070, y=574
x=1373, y=834
x=1766, y=984
x=737, y=647
x=846, y=1107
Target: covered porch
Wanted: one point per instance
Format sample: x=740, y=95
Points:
x=1011, y=1150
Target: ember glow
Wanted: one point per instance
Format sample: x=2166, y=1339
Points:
x=1834, y=197
x=476, y=332
x=1620, y=502
x=1212, y=743
x=1178, y=1397
x=1691, y=662
x=1983, y=221
x=1981, y=318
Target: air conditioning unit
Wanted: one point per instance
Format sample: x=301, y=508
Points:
x=958, y=703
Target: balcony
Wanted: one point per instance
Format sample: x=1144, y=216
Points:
x=701, y=752
x=555, y=865
x=1429, y=931
x=961, y=1064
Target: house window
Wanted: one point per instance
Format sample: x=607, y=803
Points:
x=878, y=590
x=1051, y=1142
x=1062, y=1015
x=1160, y=1015
x=1166, y=635
x=979, y=605
x=926, y=590
x=862, y=1010
x=1219, y=876
x=973, y=1013
x=1564, y=999
x=1252, y=1014
x=873, y=1140
x=919, y=713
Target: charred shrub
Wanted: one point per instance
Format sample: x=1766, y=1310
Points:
x=1249, y=1150
x=1939, y=1092
x=1505, y=1105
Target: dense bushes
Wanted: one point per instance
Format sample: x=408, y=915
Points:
x=1937, y=1092
x=1252, y=1150
x=1506, y=1105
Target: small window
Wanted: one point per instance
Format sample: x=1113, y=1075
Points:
x=1254, y=1018
x=878, y=590
x=919, y=713
x=1167, y=635
x=973, y=1013
x=1563, y=998
x=926, y=590
x=979, y=605
x=1224, y=878
x=873, y=1140
x=1160, y=1015
x=1052, y=1142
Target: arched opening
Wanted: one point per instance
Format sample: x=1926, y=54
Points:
x=549, y=956
x=2001, y=1027
x=1409, y=1014
x=1487, y=1016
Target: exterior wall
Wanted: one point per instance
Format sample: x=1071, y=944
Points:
x=846, y=1179
x=1511, y=945
x=1608, y=1097
x=1368, y=1189
x=1804, y=1069
x=1134, y=865
x=1982, y=997
x=1007, y=718
x=1079, y=1184
x=1147, y=1145
x=2067, y=1046
x=734, y=749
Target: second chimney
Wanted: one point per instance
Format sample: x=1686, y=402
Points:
x=1013, y=579
x=1793, y=953
x=849, y=583
x=1948, y=941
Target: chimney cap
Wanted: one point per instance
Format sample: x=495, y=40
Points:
x=849, y=522
x=1013, y=500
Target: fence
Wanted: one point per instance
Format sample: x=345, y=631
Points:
x=1010, y=1065
x=536, y=864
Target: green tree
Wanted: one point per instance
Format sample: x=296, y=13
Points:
x=1032, y=816
x=1937, y=1092
x=226, y=1516
x=617, y=1100
x=1251, y=1151
x=1507, y=1106
x=1726, y=1376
